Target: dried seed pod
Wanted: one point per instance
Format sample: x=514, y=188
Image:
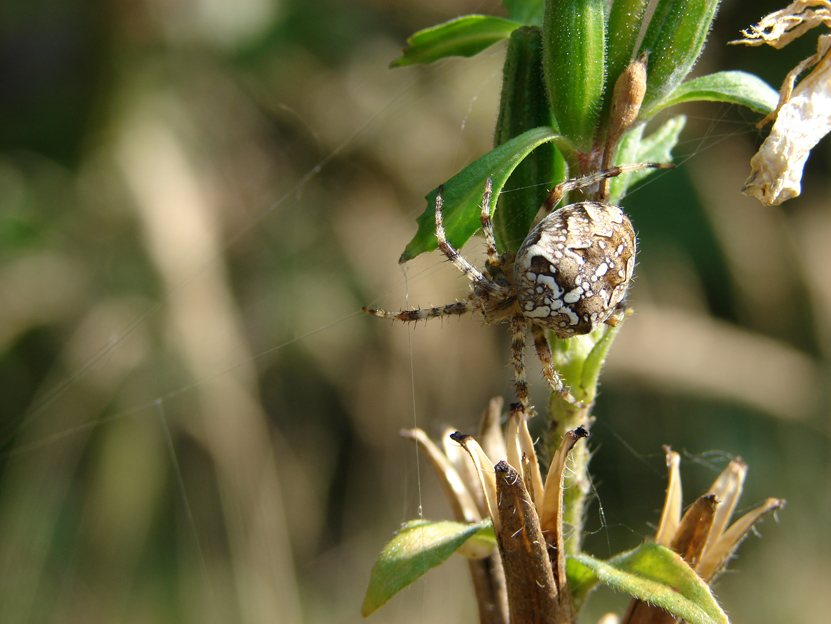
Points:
x=574, y=268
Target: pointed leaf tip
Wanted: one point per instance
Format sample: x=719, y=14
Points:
x=419, y=546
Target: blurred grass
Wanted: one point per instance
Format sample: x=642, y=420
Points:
x=195, y=200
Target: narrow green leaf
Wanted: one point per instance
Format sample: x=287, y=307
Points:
x=574, y=65
x=463, y=193
x=657, y=147
x=524, y=106
x=733, y=87
x=674, y=40
x=417, y=547
x=463, y=36
x=660, y=577
x=625, y=19
x=525, y=11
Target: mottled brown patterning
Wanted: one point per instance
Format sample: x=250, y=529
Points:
x=569, y=276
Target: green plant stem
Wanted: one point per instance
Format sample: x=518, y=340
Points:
x=579, y=360
x=576, y=484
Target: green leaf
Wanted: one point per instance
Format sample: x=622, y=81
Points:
x=525, y=11
x=574, y=65
x=733, y=87
x=463, y=193
x=581, y=581
x=674, y=40
x=417, y=547
x=657, y=147
x=627, y=153
x=660, y=577
x=463, y=36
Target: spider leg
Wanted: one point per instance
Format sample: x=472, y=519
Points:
x=474, y=274
x=548, y=368
x=559, y=191
x=518, y=354
x=487, y=225
x=423, y=314
x=619, y=315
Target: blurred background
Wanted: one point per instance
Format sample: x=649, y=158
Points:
x=198, y=424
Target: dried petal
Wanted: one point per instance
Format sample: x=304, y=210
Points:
x=551, y=515
x=671, y=514
x=512, y=443
x=803, y=116
x=776, y=169
x=484, y=469
x=781, y=27
x=717, y=555
x=467, y=471
x=727, y=488
x=531, y=467
x=490, y=430
x=695, y=529
x=462, y=504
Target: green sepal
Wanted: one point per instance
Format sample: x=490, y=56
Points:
x=524, y=106
x=525, y=11
x=419, y=546
x=463, y=192
x=674, y=40
x=657, y=147
x=655, y=575
x=625, y=18
x=574, y=66
x=732, y=87
x=463, y=36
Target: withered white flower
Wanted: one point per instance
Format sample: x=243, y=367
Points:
x=803, y=115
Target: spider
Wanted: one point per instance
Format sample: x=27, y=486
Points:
x=569, y=276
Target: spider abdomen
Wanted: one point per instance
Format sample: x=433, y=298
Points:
x=574, y=268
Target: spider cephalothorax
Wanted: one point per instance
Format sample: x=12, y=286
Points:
x=569, y=276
